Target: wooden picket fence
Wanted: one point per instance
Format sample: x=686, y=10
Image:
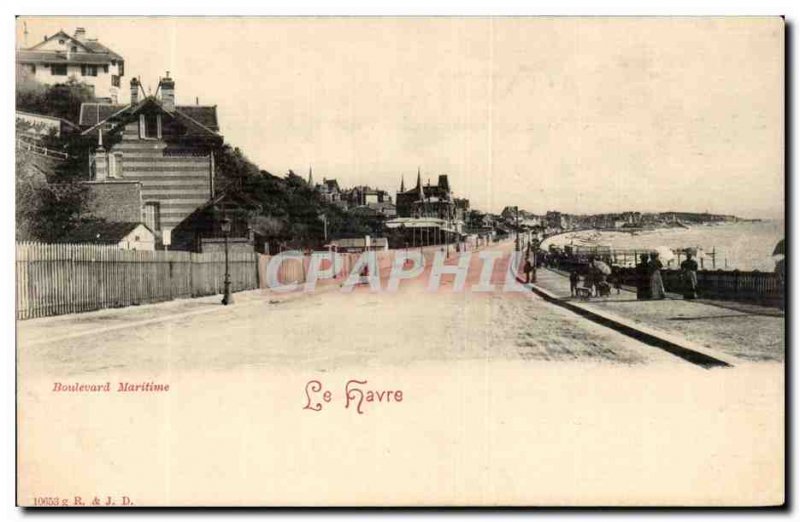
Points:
x=55, y=279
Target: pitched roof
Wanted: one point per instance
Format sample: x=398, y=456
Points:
x=94, y=113
x=97, y=47
x=100, y=232
x=61, y=57
x=95, y=50
x=203, y=114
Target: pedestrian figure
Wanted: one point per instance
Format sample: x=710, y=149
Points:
x=689, y=273
x=642, y=278
x=588, y=281
x=616, y=279
x=530, y=263
x=527, y=270
x=595, y=277
x=574, y=278
x=656, y=283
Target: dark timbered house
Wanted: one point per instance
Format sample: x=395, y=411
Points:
x=167, y=149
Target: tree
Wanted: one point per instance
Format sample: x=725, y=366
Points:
x=61, y=100
x=293, y=213
x=46, y=209
x=51, y=199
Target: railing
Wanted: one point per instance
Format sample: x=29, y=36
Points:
x=766, y=288
x=42, y=151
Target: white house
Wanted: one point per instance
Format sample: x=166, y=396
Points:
x=61, y=56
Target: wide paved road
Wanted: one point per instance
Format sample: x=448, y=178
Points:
x=506, y=399
x=328, y=329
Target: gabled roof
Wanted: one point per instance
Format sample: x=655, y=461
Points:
x=60, y=34
x=96, y=115
x=235, y=196
x=100, y=232
x=93, y=113
x=93, y=48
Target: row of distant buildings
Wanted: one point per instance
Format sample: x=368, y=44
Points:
x=360, y=198
x=423, y=214
x=554, y=221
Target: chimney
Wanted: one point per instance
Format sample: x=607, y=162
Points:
x=80, y=34
x=134, y=91
x=167, y=87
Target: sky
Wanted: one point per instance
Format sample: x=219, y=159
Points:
x=582, y=115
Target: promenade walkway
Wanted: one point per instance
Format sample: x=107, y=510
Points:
x=746, y=332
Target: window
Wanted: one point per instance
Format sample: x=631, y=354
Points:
x=105, y=68
x=74, y=48
x=61, y=41
x=58, y=69
x=115, y=165
x=150, y=126
x=121, y=68
x=152, y=216
x=115, y=80
x=88, y=70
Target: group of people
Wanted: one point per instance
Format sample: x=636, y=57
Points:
x=650, y=285
x=595, y=280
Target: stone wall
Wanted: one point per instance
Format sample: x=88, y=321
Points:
x=119, y=201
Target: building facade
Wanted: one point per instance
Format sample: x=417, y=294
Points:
x=61, y=57
x=427, y=215
x=431, y=201
x=167, y=148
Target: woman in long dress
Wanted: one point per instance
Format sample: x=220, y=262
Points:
x=689, y=272
x=642, y=278
x=656, y=283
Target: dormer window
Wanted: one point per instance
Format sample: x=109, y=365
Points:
x=150, y=126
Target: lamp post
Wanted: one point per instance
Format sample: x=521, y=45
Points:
x=227, y=298
x=324, y=218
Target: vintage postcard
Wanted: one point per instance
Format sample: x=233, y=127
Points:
x=400, y=261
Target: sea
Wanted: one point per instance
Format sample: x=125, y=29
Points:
x=738, y=246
